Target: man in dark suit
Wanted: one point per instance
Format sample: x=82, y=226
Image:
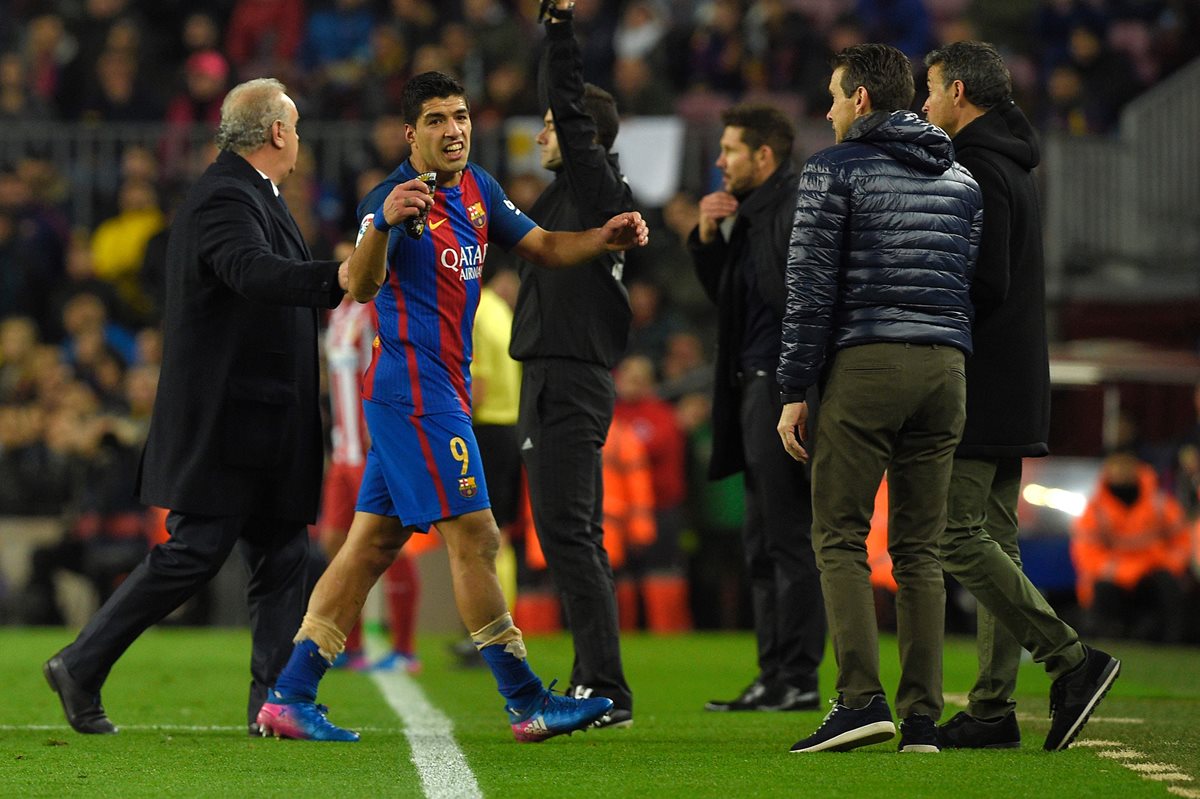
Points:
x=739, y=249
x=234, y=450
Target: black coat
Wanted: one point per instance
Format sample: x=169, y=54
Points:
x=886, y=236
x=1008, y=376
x=236, y=427
x=581, y=313
x=759, y=237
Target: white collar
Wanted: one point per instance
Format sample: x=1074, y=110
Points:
x=274, y=188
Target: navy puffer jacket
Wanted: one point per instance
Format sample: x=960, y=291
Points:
x=885, y=238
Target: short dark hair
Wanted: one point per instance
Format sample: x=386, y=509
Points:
x=762, y=124
x=427, y=86
x=885, y=72
x=986, y=80
x=602, y=108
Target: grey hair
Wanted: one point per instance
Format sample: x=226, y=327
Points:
x=248, y=112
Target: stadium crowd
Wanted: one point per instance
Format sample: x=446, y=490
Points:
x=80, y=341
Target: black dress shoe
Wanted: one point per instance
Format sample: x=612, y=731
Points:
x=751, y=698
x=792, y=699
x=83, y=710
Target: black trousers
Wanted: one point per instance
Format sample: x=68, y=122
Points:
x=275, y=553
x=566, y=408
x=785, y=586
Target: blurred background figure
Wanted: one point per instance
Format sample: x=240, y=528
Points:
x=659, y=567
x=1131, y=549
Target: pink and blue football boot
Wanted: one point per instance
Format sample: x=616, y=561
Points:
x=554, y=714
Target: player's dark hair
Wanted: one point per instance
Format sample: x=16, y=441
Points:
x=885, y=72
x=602, y=108
x=427, y=86
x=762, y=124
x=986, y=80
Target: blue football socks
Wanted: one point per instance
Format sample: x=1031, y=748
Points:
x=515, y=680
x=302, y=674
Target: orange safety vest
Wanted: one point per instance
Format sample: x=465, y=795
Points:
x=1121, y=544
x=628, y=499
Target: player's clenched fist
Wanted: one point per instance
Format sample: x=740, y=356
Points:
x=406, y=201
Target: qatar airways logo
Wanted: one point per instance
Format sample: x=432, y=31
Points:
x=467, y=261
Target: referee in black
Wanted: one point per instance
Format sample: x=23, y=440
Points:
x=570, y=328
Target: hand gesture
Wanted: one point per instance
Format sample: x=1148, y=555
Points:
x=713, y=208
x=625, y=231
x=793, y=429
x=405, y=201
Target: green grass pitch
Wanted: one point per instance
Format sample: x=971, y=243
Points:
x=179, y=696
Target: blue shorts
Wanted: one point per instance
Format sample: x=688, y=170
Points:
x=421, y=469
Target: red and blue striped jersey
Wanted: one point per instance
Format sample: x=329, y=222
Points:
x=426, y=307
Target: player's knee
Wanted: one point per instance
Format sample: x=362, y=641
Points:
x=480, y=541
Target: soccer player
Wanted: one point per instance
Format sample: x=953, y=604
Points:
x=423, y=467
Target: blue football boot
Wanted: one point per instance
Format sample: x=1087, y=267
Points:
x=553, y=714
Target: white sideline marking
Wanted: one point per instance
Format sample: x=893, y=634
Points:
x=1121, y=754
x=1096, y=743
x=1186, y=793
x=1169, y=776
x=440, y=763
x=1153, y=768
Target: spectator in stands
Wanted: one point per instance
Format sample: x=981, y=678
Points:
x=640, y=89
x=715, y=512
x=263, y=37
x=205, y=74
x=32, y=243
x=107, y=531
x=388, y=68
x=497, y=33
x=46, y=51
x=18, y=103
x=119, y=92
x=716, y=50
x=739, y=248
x=336, y=50
x=1131, y=549
x=654, y=321
x=119, y=243
x=417, y=21
x=18, y=343
x=658, y=568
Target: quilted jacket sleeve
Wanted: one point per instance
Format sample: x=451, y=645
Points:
x=814, y=264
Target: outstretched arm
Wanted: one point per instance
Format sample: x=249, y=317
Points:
x=559, y=249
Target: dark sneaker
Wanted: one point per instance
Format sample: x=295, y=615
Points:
x=552, y=714
x=918, y=733
x=1075, y=695
x=846, y=728
x=792, y=699
x=749, y=699
x=964, y=731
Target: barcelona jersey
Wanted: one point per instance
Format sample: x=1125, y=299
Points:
x=426, y=307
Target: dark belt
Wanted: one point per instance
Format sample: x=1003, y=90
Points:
x=746, y=378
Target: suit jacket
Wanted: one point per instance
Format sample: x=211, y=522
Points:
x=757, y=241
x=236, y=427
